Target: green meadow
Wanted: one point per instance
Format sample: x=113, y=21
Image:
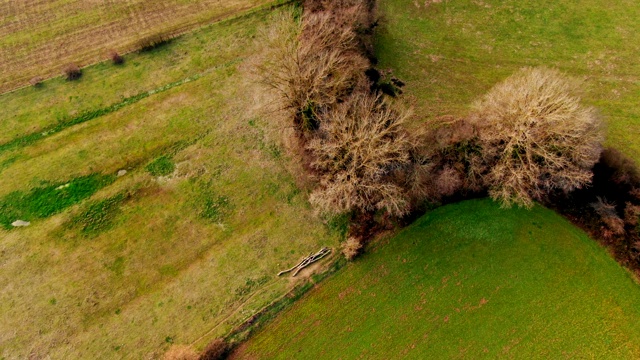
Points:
x=467, y=281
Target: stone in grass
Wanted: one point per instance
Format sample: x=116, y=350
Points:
x=122, y=172
x=20, y=223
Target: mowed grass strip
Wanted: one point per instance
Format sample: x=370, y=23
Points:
x=467, y=281
x=38, y=38
x=172, y=252
x=452, y=52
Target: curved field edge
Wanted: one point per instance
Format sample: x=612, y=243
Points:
x=468, y=280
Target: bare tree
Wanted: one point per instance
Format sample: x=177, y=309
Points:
x=535, y=136
x=315, y=64
x=360, y=148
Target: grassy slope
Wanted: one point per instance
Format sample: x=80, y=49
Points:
x=174, y=263
x=470, y=281
x=38, y=37
x=452, y=52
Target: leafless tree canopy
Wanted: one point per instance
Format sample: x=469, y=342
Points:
x=535, y=136
x=360, y=147
x=315, y=65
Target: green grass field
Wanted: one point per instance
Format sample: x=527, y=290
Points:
x=452, y=52
x=181, y=248
x=467, y=281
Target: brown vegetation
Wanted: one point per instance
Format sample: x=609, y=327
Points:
x=314, y=67
x=216, y=350
x=153, y=41
x=116, y=58
x=609, y=209
x=72, y=72
x=180, y=352
x=352, y=247
x=535, y=137
x=354, y=141
x=36, y=81
x=359, y=148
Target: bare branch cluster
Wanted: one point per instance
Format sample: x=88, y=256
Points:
x=360, y=149
x=535, y=137
x=315, y=64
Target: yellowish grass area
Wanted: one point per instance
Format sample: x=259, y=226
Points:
x=38, y=38
x=164, y=271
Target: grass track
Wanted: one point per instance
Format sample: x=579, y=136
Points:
x=467, y=281
x=452, y=52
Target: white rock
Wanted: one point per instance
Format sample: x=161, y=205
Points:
x=121, y=172
x=20, y=223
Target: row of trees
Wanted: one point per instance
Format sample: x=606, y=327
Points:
x=527, y=138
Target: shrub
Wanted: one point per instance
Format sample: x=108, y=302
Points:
x=351, y=248
x=445, y=162
x=153, y=41
x=360, y=149
x=36, y=81
x=619, y=168
x=535, y=137
x=72, y=72
x=116, y=59
x=216, y=350
x=180, y=352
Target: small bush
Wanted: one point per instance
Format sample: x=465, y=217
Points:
x=536, y=137
x=351, y=248
x=180, y=352
x=216, y=350
x=115, y=58
x=36, y=81
x=72, y=72
x=152, y=42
